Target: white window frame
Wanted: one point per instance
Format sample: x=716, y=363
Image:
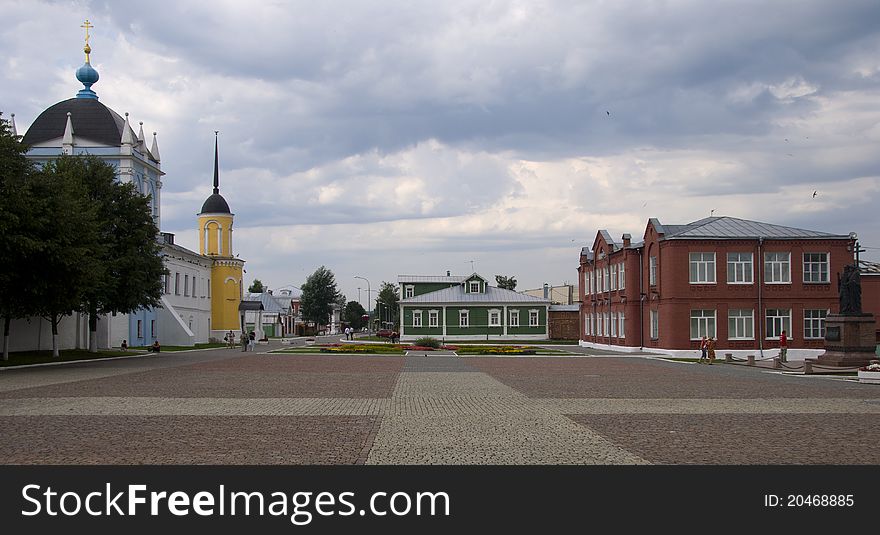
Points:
x=701, y=268
x=534, y=315
x=185, y=285
x=621, y=321
x=176, y=283
x=600, y=280
x=621, y=277
x=471, y=288
x=494, y=318
x=514, y=318
x=814, y=323
x=773, y=263
x=822, y=275
x=433, y=318
x=408, y=291
x=587, y=322
x=140, y=328
x=614, y=324
x=593, y=277
x=464, y=318
x=587, y=283
x=654, y=316
x=706, y=324
x=778, y=321
x=652, y=271
x=417, y=318
x=613, y=277
x=740, y=324
x=746, y=268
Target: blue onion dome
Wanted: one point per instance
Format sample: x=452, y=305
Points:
x=88, y=76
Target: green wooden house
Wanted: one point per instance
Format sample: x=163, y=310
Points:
x=468, y=308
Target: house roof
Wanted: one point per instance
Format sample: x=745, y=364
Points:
x=431, y=278
x=456, y=294
x=564, y=308
x=268, y=302
x=732, y=228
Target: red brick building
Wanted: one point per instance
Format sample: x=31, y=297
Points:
x=739, y=281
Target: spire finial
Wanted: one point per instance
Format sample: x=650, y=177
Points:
x=87, y=49
x=216, y=166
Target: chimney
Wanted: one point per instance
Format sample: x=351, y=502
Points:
x=546, y=291
x=626, y=240
x=447, y=273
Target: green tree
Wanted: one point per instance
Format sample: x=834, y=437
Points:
x=129, y=265
x=17, y=245
x=257, y=287
x=319, y=294
x=386, y=303
x=354, y=314
x=67, y=229
x=507, y=283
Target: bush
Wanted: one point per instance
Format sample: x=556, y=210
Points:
x=427, y=341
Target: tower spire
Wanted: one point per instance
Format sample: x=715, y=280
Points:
x=216, y=166
x=87, y=49
x=87, y=74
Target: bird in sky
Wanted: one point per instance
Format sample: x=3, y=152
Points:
x=646, y=204
x=786, y=140
x=608, y=113
x=815, y=193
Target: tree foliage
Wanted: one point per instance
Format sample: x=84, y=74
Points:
x=257, y=287
x=319, y=294
x=386, y=303
x=354, y=314
x=507, y=283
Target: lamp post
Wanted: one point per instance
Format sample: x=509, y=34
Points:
x=369, y=307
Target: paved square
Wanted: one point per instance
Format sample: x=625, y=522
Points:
x=227, y=407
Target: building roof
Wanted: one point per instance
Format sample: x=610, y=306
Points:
x=90, y=119
x=215, y=204
x=268, y=301
x=431, y=278
x=564, y=308
x=456, y=294
x=732, y=228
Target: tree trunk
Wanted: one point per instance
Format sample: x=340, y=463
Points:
x=93, y=330
x=6, y=321
x=55, y=320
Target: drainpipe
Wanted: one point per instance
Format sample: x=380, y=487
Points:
x=641, y=304
x=759, y=269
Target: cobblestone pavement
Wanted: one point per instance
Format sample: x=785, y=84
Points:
x=228, y=407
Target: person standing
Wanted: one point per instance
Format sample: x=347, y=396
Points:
x=783, y=347
x=243, y=340
x=710, y=349
x=252, y=341
x=704, y=348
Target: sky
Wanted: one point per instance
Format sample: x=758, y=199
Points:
x=384, y=138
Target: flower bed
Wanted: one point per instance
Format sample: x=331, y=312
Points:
x=496, y=350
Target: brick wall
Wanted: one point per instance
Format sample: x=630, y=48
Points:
x=564, y=324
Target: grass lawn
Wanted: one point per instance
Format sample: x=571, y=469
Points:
x=40, y=357
x=188, y=348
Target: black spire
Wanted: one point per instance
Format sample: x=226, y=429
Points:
x=216, y=167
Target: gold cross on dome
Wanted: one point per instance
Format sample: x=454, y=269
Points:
x=87, y=25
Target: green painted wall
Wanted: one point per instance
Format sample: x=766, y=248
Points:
x=478, y=319
x=420, y=288
x=408, y=329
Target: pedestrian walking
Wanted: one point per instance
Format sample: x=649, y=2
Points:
x=710, y=348
x=252, y=341
x=704, y=349
x=243, y=340
x=783, y=347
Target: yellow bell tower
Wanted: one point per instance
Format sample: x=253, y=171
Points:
x=215, y=241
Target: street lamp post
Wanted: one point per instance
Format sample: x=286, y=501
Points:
x=369, y=305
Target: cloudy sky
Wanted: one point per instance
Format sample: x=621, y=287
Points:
x=385, y=138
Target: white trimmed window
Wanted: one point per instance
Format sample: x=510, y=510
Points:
x=614, y=324
x=186, y=285
x=194, y=287
x=652, y=271
x=816, y=267
x=533, y=318
x=777, y=268
x=593, y=277
x=433, y=318
x=621, y=277
x=463, y=318
x=620, y=323
x=587, y=322
x=474, y=287
x=814, y=323
x=655, y=325
x=740, y=324
x=778, y=320
x=140, y=329
x=702, y=324
x=514, y=318
x=614, y=276
x=739, y=268
x=167, y=280
x=494, y=318
x=702, y=268
x=417, y=318
x=408, y=291
x=600, y=280
x=587, y=284
x=177, y=284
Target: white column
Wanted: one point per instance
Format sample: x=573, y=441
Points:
x=505, y=320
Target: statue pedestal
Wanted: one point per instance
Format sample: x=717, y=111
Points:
x=849, y=341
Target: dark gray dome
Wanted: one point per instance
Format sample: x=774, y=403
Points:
x=215, y=204
x=91, y=120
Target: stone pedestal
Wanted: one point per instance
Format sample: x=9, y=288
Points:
x=849, y=341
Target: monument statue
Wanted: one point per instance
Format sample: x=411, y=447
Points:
x=849, y=286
